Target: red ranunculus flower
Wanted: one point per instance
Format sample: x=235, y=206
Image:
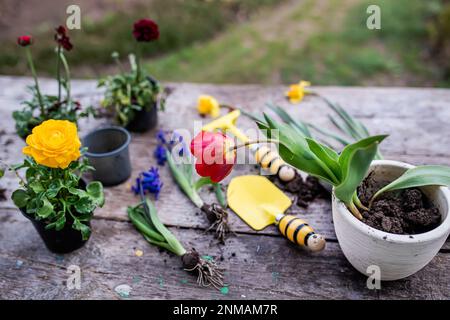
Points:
x=24, y=41
x=214, y=157
x=62, y=38
x=145, y=30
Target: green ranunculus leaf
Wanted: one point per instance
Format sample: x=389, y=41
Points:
x=418, y=177
x=95, y=191
x=85, y=205
x=59, y=224
x=2, y=172
x=84, y=229
x=20, y=198
x=354, y=161
x=53, y=189
x=78, y=192
x=45, y=209
x=37, y=187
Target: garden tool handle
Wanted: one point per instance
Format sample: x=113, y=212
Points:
x=272, y=161
x=299, y=232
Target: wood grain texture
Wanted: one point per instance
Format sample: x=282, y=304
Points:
x=264, y=264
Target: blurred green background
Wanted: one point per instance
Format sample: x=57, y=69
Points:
x=243, y=41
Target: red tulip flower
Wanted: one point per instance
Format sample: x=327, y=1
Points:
x=145, y=30
x=24, y=41
x=215, y=158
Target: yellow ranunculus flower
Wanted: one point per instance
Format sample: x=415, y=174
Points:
x=208, y=105
x=297, y=91
x=54, y=144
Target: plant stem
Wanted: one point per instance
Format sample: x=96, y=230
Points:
x=15, y=172
x=202, y=181
x=66, y=68
x=138, y=61
x=358, y=202
x=36, y=84
x=58, y=72
x=354, y=210
x=219, y=195
x=183, y=182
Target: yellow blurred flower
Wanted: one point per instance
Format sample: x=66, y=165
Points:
x=54, y=144
x=208, y=105
x=297, y=91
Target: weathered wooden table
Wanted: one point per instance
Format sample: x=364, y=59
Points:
x=259, y=265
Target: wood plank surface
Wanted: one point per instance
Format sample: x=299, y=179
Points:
x=259, y=264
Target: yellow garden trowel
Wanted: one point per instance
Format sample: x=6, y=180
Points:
x=260, y=203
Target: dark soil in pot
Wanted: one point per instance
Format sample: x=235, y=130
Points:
x=64, y=241
x=305, y=190
x=144, y=120
x=400, y=212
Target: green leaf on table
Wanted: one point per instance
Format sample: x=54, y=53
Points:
x=354, y=161
x=418, y=177
x=174, y=244
x=20, y=198
x=137, y=217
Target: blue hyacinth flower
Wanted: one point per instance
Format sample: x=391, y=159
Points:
x=149, y=181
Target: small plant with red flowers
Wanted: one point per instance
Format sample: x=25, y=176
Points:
x=43, y=107
x=133, y=95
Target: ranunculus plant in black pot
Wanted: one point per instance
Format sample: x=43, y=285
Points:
x=53, y=195
x=133, y=96
x=43, y=107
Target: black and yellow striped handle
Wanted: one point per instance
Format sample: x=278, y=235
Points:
x=272, y=161
x=299, y=232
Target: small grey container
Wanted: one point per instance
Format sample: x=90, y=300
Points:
x=108, y=154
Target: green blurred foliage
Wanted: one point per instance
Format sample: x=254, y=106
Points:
x=267, y=41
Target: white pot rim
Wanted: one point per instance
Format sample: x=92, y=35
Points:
x=431, y=235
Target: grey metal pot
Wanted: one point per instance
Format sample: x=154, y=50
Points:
x=108, y=154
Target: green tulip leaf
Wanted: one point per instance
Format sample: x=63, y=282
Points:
x=354, y=161
x=328, y=156
x=294, y=149
x=418, y=177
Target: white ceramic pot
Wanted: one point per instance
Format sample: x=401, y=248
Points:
x=397, y=256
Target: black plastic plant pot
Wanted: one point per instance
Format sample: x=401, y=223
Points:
x=108, y=154
x=63, y=241
x=144, y=120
